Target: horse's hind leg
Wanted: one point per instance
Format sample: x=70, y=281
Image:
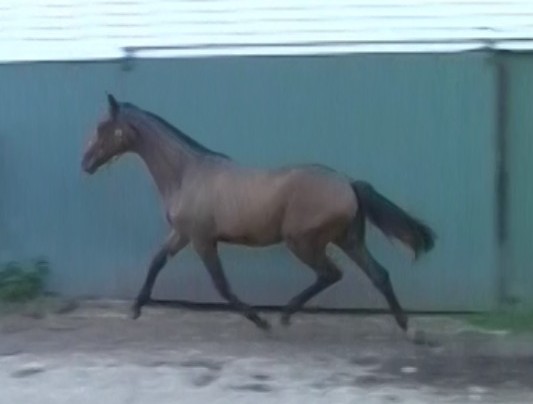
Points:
x=172, y=245
x=209, y=256
x=380, y=278
x=354, y=246
x=327, y=273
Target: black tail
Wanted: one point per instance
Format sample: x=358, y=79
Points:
x=392, y=220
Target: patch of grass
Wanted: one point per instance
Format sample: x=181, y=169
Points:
x=519, y=321
x=21, y=282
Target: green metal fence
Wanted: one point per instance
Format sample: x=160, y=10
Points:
x=421, y=128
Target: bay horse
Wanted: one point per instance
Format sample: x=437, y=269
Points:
x=210, y=199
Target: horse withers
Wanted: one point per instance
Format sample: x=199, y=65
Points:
x=209, y=199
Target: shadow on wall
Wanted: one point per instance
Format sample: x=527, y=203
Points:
x=3, y=225
x=8, y=241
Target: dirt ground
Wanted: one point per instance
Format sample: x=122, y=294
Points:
x=96, y=354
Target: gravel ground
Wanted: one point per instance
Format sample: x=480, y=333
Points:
x=96, y=354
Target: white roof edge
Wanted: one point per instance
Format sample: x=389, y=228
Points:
x=72, y=30
x=65, y=55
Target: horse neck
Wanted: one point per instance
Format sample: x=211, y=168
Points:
x=166, y=159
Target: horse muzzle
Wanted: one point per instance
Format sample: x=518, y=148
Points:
x=89, y=163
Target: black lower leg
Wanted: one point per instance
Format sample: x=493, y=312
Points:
x=324, y=280
x=214, y=266
x=246, y=310
x=381, y=280
x=158, y=262
x=385, y=286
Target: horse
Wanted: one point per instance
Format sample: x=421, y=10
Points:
x=209, y=199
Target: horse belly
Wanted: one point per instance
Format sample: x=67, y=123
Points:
x=250, y=224
x=320, y=205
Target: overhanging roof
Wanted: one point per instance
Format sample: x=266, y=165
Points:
x=37, y=30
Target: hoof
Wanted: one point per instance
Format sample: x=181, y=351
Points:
x=135, y=312
x=419, y=337
x=403, y=322
x=257, y=320
x=263, y=324
x=285, y=320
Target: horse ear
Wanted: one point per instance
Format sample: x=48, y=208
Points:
x=113, y=105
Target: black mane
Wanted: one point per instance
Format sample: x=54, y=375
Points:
x=193, y=144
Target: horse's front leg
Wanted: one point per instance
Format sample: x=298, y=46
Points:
x=209, y=256
x=172, y=245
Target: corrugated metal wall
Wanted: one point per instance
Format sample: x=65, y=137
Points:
x=419, y=127
x=519, y=264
